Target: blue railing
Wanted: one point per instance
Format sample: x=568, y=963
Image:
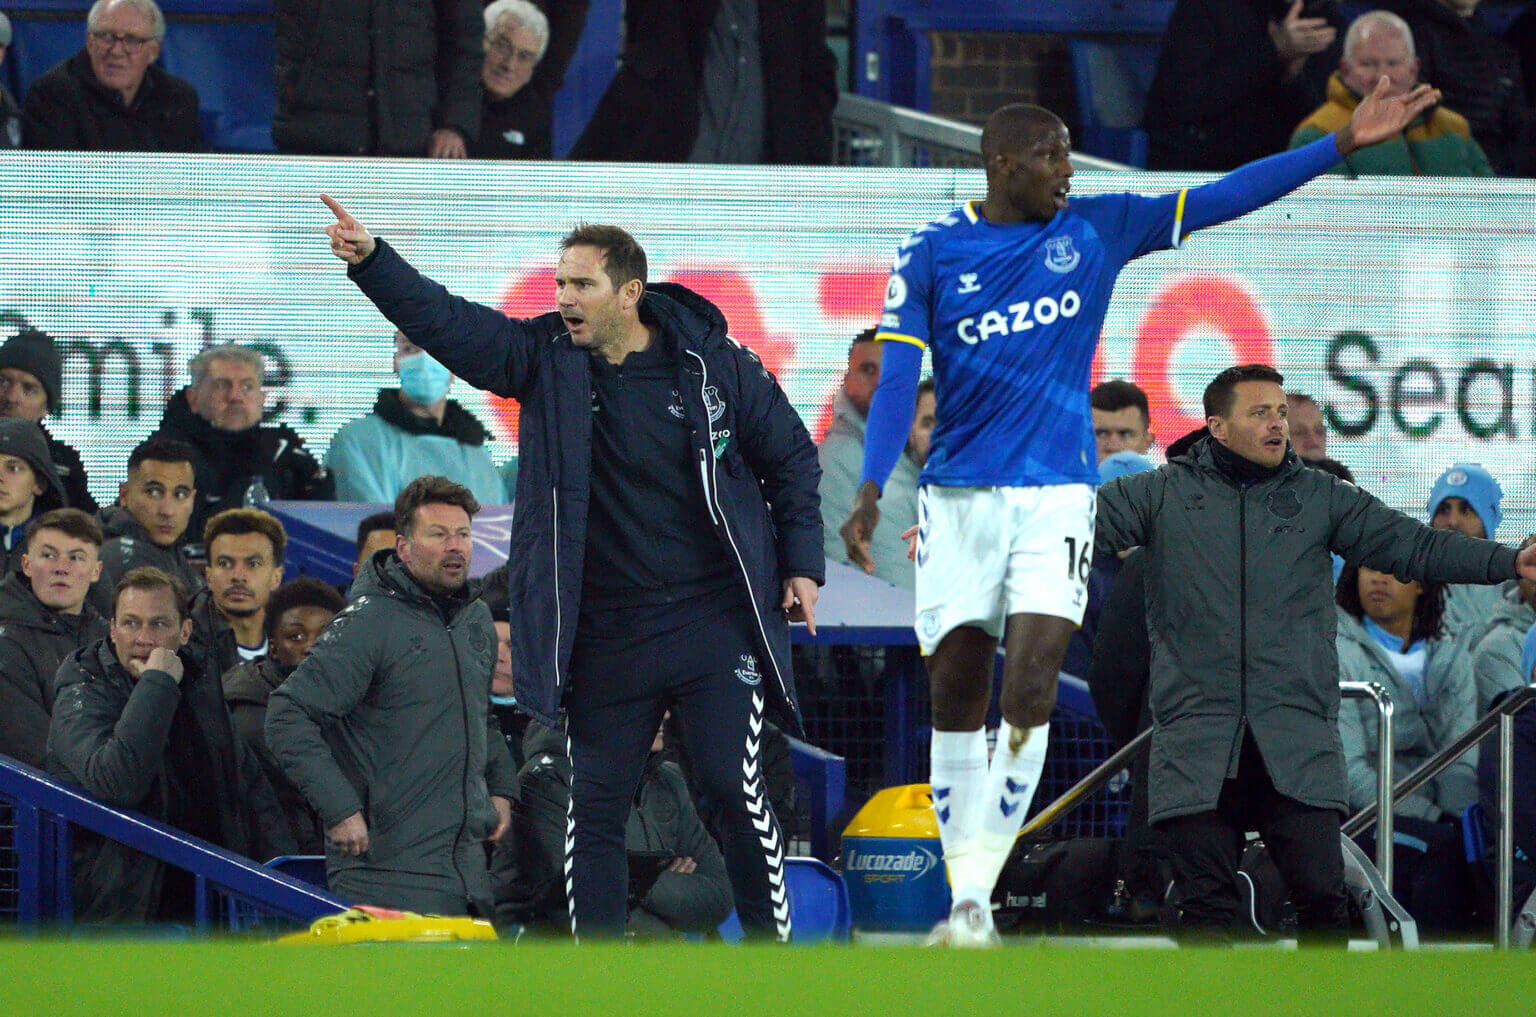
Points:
x=43, y=813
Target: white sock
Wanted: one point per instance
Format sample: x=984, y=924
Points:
x=957, y=772
x=1010, y=787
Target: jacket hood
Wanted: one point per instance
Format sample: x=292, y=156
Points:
x=117, y=521
x=385, y=575
x=458, y=423
x=94, y=662
x=1511, y=610
x=20, y=606
x=693, y=321
x=25, y=440
x=252, y=681
x=1202, y=454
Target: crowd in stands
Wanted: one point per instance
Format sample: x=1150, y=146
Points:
x=706, y=81
x=1237, y=81
x=146, y=645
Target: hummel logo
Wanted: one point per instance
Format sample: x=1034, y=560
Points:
x=940, y=793
x=1013, y=788
x=968, y=283
x=1007, y=810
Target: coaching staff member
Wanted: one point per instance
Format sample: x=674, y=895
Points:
x=667, y=529
x=386, y=729
x=1245, y=675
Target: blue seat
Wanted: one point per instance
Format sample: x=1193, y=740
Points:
x=818, y=904
x=1112, y=80
x=310, y=868
x=1474, y=836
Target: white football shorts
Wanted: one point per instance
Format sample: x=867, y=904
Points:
x=984, y=553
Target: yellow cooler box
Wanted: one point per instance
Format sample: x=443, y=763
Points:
x=893, y=864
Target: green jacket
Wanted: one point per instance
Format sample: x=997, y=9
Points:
x=1241, y=619
x=390, y=716
x=1437, y=144
x=1496, y=648
x=1419, y=729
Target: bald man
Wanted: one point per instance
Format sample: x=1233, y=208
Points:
x=1011, y=292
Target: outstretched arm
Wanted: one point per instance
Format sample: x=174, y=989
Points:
x=1255, y=185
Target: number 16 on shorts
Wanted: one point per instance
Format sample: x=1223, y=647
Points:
x=987, y=552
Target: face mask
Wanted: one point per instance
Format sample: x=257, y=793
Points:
x=423, y=380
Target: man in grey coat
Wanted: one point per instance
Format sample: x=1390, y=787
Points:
x=386, y=729
x=1244, y=669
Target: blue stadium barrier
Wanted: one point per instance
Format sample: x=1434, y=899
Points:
x=37, y=816
x=822, y=777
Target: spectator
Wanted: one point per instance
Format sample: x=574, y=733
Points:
x=45, y=616
x=1477, y=72
x=297, y=613
x=238, y=462
x=1234, y=78
x=1437, y=143
x=664, y=839
x=1390, y=633
x=842, y=463
x=29, y=486
x=31, y=376
x=365, y=77
x=726, y=81
x=1122, y=420
x=148, y=525
x=109, y=97
x=140, y=727
x=1496, y=666
x=1309, y=432
x=1523, y=768
x=1244, y=665
x=512, y=721
x=414, y=431
x=245, y=564
x=351, y=729
x=10, y=113
x=526, y=54
x=1466, y=499
x=374, y=534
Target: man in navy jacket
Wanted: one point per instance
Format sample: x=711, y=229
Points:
x=667, y=530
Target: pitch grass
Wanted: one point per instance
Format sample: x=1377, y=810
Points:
x=54, y=979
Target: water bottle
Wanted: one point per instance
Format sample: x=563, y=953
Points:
x=256, y=495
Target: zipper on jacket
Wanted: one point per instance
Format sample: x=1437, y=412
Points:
x=464, y=777
x=554, y=496
x=1242, y=623
x=710, y=475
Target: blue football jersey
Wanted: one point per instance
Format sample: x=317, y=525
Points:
x=1012, y=314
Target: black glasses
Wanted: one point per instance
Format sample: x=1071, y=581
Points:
x=130, y=43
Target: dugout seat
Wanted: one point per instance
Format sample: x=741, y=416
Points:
x=818, y=904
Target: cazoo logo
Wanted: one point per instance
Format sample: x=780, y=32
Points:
x=1020, y=317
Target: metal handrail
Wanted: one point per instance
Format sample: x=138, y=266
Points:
x=1501, y=717
x=901, y=128
x=1101, y=774
x=38, y=794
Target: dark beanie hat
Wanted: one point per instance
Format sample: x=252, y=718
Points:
x=33, y=351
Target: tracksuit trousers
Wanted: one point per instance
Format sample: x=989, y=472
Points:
x=628, y=668
x=1206, y=849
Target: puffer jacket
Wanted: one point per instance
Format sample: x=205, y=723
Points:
x=756, y=462
x=1240, y=617
x=375, y=77
x=1421, y=724
x=1496, y=648
x=34, y=640
x=389, y=715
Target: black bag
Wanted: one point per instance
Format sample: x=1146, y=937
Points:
x=1061, y=886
